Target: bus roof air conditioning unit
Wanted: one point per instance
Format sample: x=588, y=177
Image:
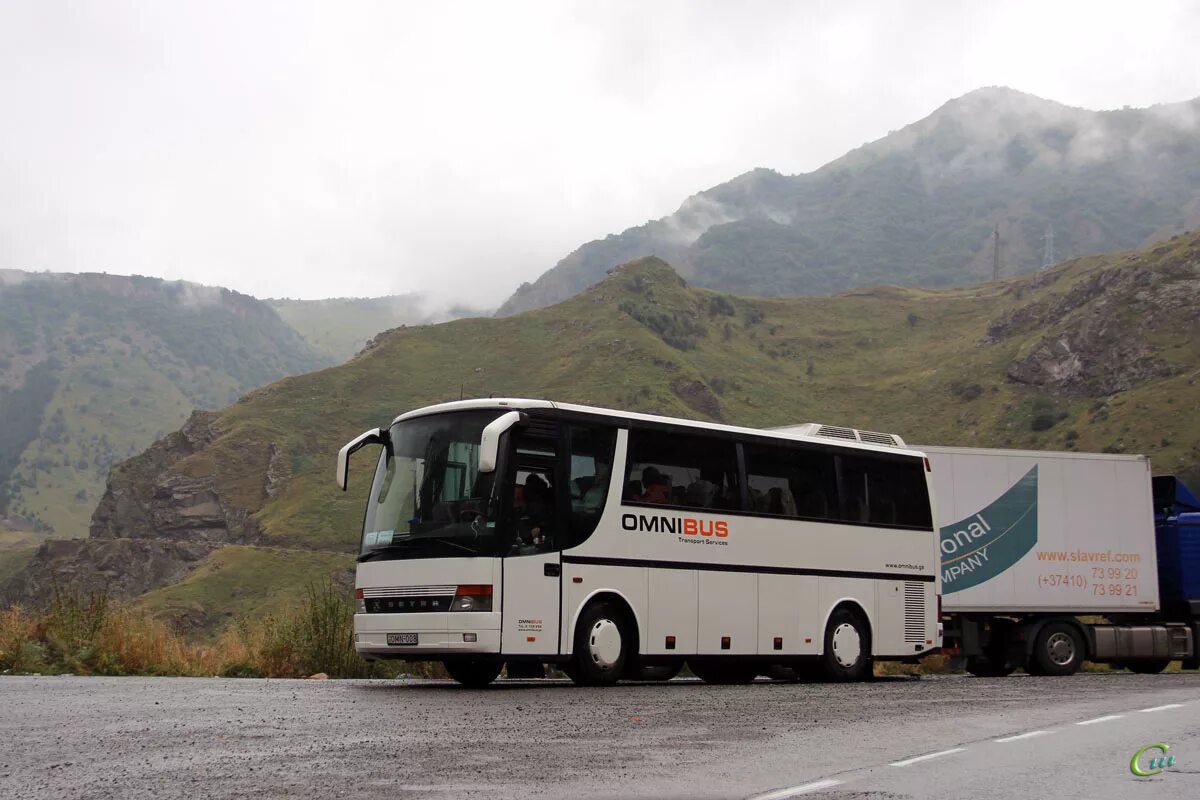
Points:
x=846, y=434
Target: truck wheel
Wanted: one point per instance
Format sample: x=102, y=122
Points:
x=847, y=655
x=1148, y=666
x=1056, y=651
x=984, y=667
x=474, y=673
x=723, y=673
x=603, y=644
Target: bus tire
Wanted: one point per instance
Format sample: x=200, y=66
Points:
x=474, y=673
x=1057, y=650
x=1147, y=666
x=847, y=655
x=723, y=673
x=984, y=667
x=603, y=645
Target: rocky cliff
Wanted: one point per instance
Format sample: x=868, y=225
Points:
x=146, y=498
x=1100, y=336
x=151, y=527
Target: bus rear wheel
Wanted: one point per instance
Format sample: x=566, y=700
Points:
x=474, y=673
x=603, y=645
x=847, y=655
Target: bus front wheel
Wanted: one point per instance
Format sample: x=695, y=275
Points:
x=603, y=645
x=474, y=673
x=847, y=655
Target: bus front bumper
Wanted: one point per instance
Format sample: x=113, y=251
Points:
x=427, y=636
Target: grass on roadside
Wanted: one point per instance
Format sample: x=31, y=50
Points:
x=935, y=664
x=90, y=635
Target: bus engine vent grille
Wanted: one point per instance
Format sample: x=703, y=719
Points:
x=914, y=612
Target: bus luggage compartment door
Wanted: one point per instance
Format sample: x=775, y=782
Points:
x=530, y=607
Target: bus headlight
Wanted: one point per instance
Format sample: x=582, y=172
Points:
x=473, y=597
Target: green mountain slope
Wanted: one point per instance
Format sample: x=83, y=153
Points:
x=1100, y=353
x=93, y=368
x=918, y=207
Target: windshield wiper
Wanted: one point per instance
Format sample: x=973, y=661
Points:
x=375, y=551
x=441, y=540
x=367, y=556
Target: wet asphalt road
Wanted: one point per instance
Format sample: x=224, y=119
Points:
x=65, y=737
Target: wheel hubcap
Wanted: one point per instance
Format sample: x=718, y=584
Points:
x=604, y=644
x=1061, y=648
x=847, y=644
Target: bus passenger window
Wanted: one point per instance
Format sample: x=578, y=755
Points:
x=882, y=489
x=591, y=457
x=681, y=470
x=788, y=481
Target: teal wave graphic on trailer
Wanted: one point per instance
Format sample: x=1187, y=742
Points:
x=987, y=543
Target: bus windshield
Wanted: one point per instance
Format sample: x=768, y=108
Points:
x=428, y=499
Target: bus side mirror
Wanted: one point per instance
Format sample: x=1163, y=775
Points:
x=373, y=436
x=489, y=444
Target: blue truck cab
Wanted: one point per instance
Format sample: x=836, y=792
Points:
x=1177, y=534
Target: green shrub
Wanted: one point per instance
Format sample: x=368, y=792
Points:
x=678, y=330
x=1043, y=421
x=1046, y=414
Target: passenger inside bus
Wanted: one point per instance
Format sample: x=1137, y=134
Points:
x=657, y=487
x=593, y=497
x=780, y=501
x=704, y=490
x=533, y=509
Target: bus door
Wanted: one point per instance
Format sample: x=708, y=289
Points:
x=533, y=565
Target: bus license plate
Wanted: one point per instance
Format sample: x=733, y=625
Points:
x=401, y=638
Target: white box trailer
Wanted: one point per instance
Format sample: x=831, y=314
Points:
x=1031, y=541
x=1042, y=531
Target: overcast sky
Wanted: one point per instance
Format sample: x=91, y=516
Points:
x=334, y=149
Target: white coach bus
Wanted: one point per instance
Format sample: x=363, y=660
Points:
x=612, y=544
